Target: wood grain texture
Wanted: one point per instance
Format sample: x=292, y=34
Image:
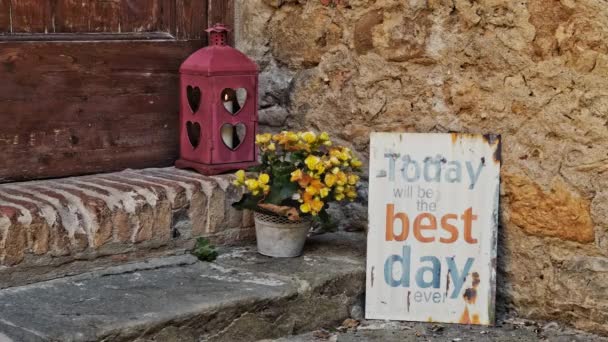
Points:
x=31, y=16
x=72, y=109
x=86, y=16
x=222, y=11
x=5, y=16
x=141, y=16
x=191, y=19
x=88, y=96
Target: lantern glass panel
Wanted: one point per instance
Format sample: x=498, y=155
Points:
x=234, y=99
x=233, y=135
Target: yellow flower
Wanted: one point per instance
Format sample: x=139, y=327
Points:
x=264, y=178
x=334, y=161
x=291, y=136
x=255, y=192
x=312, y=161
x=271, y=147
x=240, y=177
x=305, y=208
x=324, y=192
x=356, y=163
x=309, y=137
x=335, y=170
x=324, y=136
x=315, y=187
x=263, y=138
x=266, y=189
x=351, y=193
x=316, y=206
x=330, y=179
x=320, y=168
x=339, y=189
x=342, y=179
x=252, y=184
x=339, y=197
x=353, y=179
x=311, y=190
x=296, y=175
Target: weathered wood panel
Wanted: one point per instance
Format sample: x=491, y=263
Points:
x=191, y=19
x=141, y=16
x=87, y=16
x=71, y=109
x=5, y=17
x=31, y=16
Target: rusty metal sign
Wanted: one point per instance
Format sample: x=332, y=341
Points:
x=433, y=219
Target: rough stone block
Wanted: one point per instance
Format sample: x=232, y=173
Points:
x=558, y=205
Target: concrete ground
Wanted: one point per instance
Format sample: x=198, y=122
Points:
x=241, y=296
x=509, y=330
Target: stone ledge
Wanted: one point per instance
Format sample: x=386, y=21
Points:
x=242, y=296
x=110, y=218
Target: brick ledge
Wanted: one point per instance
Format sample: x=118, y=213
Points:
x=118, y=215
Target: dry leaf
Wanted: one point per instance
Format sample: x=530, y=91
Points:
x=290, y=212
x=350, y=323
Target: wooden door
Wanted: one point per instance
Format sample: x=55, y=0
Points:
x=91, y=86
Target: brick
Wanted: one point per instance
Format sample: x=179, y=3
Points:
x=92, y=204
x=46, y=232
x=14, y=237
x=215, y=204
x=63, y=241
x=175, y=193
x=232, y=218
x=38, y=229
x=121, y=204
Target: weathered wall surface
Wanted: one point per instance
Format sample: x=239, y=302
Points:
x=535, y=71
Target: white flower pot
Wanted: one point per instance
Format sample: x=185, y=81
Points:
x=278, y=237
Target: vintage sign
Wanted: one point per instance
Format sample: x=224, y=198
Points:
x=433, y=217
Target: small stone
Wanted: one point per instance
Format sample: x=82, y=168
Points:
x=356, y=312
x=321, y=334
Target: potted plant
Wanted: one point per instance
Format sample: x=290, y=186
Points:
x=299, y=174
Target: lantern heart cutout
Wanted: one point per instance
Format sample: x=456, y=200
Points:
x=194, y=133
x=233, y=135
x=194, y=98
x=234, y=99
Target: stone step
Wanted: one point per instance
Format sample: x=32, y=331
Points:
x=56, y=227
x=506, y=330
x=242, y=296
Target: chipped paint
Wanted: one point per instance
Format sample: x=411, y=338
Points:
x=150, y=196
x=47, y=212
x=88, y=219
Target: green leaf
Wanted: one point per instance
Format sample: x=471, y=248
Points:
x=204, y=250
x=248, y=201
x=282, y=188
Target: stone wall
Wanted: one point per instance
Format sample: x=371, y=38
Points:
x=535, y=71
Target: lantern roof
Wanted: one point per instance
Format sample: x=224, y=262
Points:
x=218, y=58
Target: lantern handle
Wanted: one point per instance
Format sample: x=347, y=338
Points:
x=218, y=27
x=218, y=34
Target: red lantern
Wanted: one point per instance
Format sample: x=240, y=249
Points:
x=218, y=108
